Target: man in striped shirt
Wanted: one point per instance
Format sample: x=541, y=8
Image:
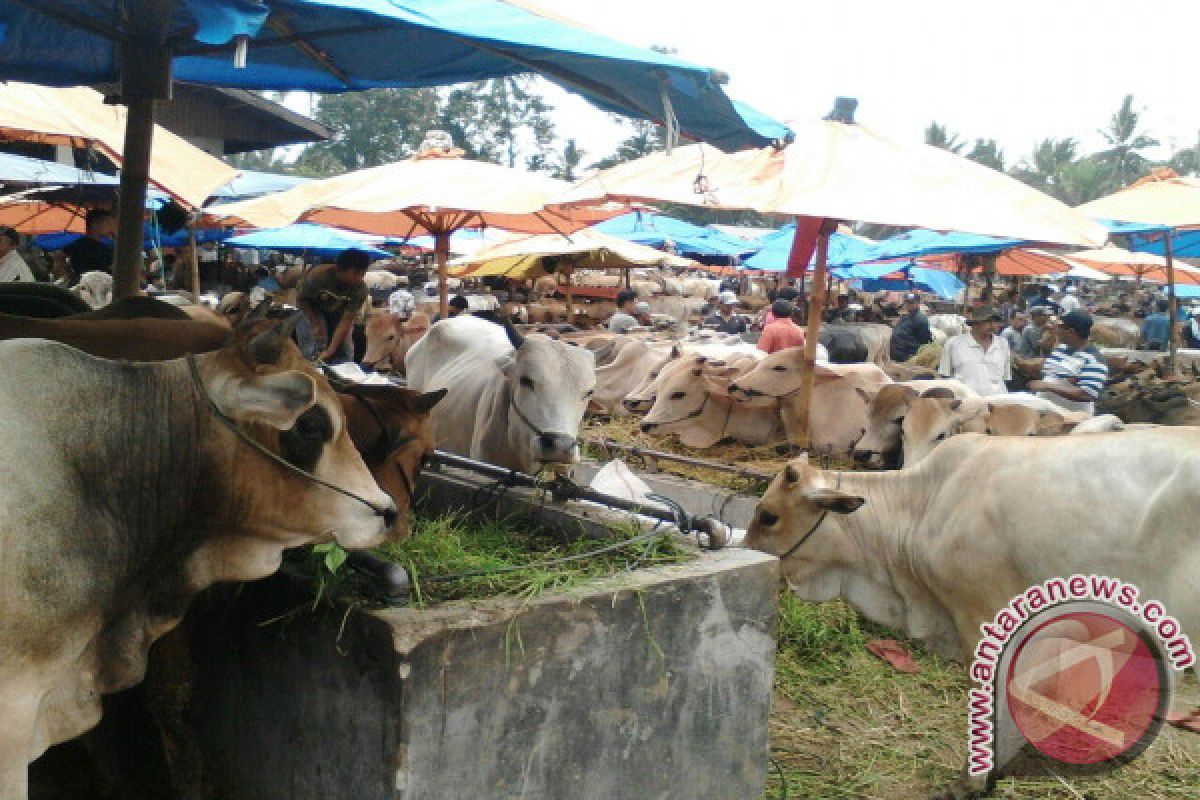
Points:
x=1074, y=373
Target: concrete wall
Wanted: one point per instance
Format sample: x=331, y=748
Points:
x=654, y=684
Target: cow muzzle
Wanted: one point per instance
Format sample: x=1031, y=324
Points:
x=556, y=447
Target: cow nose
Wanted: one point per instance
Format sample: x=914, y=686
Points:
x=555, y=442
x=390, y=515
x=863, y=456
x=646, y=427
x=369, y=366
x=767, y=518
x=630, y=404
x=733, y=387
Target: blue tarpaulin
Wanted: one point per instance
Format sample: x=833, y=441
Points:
x=915, y=244
x=306, y=237
x=57, y=241
x=656, y=230
x=340, y=45
x=944, y=284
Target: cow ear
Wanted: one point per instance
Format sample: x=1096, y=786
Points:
x=277, y=400
x=833, y=500
x=791, y=474
x=267, y=347
x=991, y=407
x=425, y=402
x=954, y=405
x=1051, y=423
x=863, y=394
x=676, y=352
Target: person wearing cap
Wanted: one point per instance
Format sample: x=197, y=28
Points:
x=1031, y=337
x=623, y=319
x=912, y=330
x=1191, y=331
x=1012, y=333
x=1074, y=373
x=1070, y=300
x=12, y=267
x=725, y=320
x=1157, y=328
x=782, y=332
x=641, y=312
x=979, y=358
x=841, y=312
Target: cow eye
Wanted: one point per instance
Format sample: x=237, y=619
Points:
x=767, y=519
x=940, y=437
x=779, y=368
x=589, y=393
x=391, y=337
x=678, y=395
x=527, y=381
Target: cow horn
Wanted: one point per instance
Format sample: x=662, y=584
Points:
x=514, y=336
x=267, y=347
x=257, y=312
x=428, y=400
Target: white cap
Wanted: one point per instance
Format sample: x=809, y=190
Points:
x=728, y=298
x=642, y=308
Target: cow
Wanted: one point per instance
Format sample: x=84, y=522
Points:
x=1152, y=402
x=886, y=409
x=1115, y=332
x=138, y=307
x=389, y=338
x=693, y=401
x=937, y=550
x=870, y=340
x=392, y=429
x=514, y=401
x=96, y=288
x=837, y=415
x=133, y=339
x=932, y=420
x=130, y=488
x=633, y=362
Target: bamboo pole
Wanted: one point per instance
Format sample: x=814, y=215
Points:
x=1172, y=302
x=816, y=305
x=194, y=263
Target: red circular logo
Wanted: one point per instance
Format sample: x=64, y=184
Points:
x=1084, y=688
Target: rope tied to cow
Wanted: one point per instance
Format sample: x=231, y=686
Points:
x=202, y=390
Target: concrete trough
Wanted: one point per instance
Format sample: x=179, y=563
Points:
x=653, y=684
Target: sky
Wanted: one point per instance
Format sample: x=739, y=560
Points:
x=1017, y=71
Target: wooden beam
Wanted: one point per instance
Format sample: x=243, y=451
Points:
x=816, y=307
x=1172, y=302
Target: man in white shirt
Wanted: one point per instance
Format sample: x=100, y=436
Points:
x=12, y=267
x=980, y=358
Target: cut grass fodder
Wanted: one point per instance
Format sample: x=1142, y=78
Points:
x=454, y=557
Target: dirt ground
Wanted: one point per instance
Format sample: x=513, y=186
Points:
x=847, y=725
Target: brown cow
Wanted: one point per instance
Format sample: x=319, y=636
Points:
x=389, y=336
x=131, y=340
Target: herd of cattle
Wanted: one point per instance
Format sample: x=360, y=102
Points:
x=104, y=549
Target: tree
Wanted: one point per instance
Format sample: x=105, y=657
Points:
x=1124, y=141
x=988, y=153
x=498, y=120
x=569, y=161
x=1047, y=167
x=370, y=128
x=938, y=135
x=646, y=138
x=1186, y=161
x=269, y=160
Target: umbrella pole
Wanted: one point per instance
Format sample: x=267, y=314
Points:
x=145, y=77
x=193, y=263
x=1172, y=302
x=441, y=250
x=816, y=304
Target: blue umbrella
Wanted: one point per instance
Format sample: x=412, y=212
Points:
x=915, y=244
x=656, y=230
x=34, y=171
x=306, y=237
x=944, y=284
x=773, y=257
x=249, y=184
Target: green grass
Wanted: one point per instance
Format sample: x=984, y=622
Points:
x=453, y=544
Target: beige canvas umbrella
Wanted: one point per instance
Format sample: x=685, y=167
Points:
x=838, y=170
x=1161, y=198
x=436, y=193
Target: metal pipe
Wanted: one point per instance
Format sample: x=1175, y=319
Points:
x=609, y=444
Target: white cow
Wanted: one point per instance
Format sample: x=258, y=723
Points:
x=512, y=400
x=938, y=549
x=96, y=288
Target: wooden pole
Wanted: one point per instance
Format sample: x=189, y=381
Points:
x=441, y=250
x=145, y=76
x=568, y=292
x=1172, y=302
x=193, y=263
x=816, y=305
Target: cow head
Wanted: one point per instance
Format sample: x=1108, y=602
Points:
x=392, y=430
x=1018, y=420
x=880, y=445
x=641, y=398
x=389, y=337
x=269, y=392
x=776, y=375
x=549, y=385
x=794, y=507
x=932, y=420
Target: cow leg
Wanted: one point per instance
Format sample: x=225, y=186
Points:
x=18, y=711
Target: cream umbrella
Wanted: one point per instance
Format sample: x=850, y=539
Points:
x=1163, y=199
x=1121, y=263
x=838, y=170
x=79, y=117
x=435, y=193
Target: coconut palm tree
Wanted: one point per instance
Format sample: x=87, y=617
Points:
x=1046, y=168
x=988, y=153
x=1124, y=141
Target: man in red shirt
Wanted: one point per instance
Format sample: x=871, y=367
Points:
x=781, y=333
